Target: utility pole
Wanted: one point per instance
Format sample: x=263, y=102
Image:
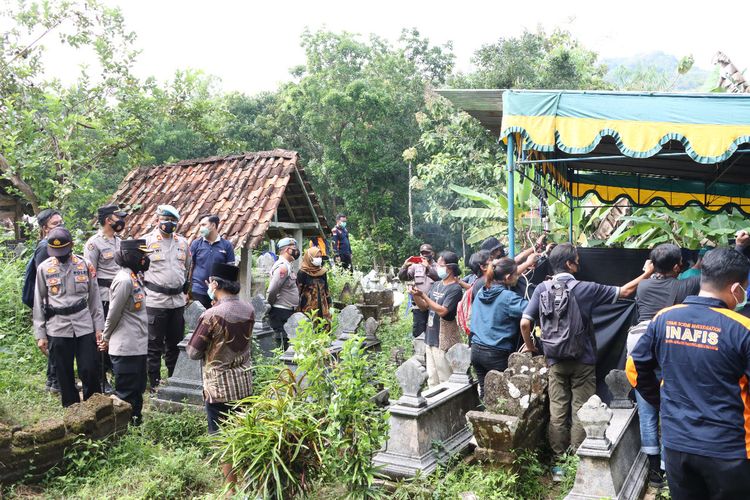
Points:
x=409, y=155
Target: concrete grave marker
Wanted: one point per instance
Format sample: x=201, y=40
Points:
x=349, y=320
x=619, y=385
x=262, y=331
x=411, y=377
x=185, y=386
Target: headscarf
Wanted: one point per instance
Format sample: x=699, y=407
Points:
x=307, y=266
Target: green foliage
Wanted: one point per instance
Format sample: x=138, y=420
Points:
x=484, y=481
x=338, y=278
x=569, y=464
x=164, y=458
x=319, y=426
x=68, y=146
x=688, y=228
x=535, y=61
x=22, y=366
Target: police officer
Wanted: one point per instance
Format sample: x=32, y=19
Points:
x=283, y=294
x=67, y=315
x=125, y=334
x=100, y=251
x=167, y=285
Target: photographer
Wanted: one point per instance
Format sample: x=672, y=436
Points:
x=423, y=274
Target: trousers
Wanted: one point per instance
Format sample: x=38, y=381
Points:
x=130, y=381
x=166, y=329
x=484, y=359
x=277, y=318
x=419, y=325
x=695, y=477
x=571, y=384
x=63, y=351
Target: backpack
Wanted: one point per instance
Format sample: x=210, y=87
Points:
x=565, y=335
x=463, y=311
x=29, y=283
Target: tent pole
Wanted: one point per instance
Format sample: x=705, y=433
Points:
x=570, y=225
x=511, y=196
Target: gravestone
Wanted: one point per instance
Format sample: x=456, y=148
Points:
x=611, y=463
x=290, y=327
x=515, y=416
x=372, y=342
x=185, y=387
x=619, y=385
x=420, y=349
x=261, y=275
x=349, y=320
x=262, y=331
x=420, y=419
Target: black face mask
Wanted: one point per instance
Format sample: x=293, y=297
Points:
x=167, y=226
x=118, y=226
x=295, y=253
x=64, y=258
x=144, y=264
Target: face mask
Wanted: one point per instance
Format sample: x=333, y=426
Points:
x=343, y=224
x=442, y=272
x=205, y=232
x=118, y=226
x=295, y=253
x=144, y=264
x=317, y=261
x=167, y=226
x=211, y=293
x=741, y=305
x=64, y=258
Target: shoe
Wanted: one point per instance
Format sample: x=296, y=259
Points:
x=558, y=474
x=52, y=388
x=656, y=479
x=108, y=388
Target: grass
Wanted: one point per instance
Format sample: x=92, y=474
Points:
x=167, y=457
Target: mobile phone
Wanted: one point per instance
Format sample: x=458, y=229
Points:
x=415, y=259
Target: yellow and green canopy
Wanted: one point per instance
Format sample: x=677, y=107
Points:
x=678, y=149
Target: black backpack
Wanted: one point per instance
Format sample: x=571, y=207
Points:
x=565, y=334
x=29, y=283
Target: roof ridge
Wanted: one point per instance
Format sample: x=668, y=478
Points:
x=274, y=153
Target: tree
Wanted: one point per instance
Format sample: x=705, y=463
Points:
x=68, y=146
x=352, y=114
x=535, y=60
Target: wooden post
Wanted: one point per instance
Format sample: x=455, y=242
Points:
x=246, y=274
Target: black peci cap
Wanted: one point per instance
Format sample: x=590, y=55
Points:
x=225, y=271
x=107, y=210
x=129, y=245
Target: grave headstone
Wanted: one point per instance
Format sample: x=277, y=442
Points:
x=185, y=387
x=419, y=419
x=411, y=378
x=611, y=463
x=459, y=357
x=349, y=320
x=262, y=331
x=290, y=327
x=515, y=418
x=420, y=349
x=372, y=342
x=619, y=385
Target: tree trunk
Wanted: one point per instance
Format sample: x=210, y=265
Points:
x=19, y=184
x=411, y=214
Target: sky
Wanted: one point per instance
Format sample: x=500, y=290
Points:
x=251, y=45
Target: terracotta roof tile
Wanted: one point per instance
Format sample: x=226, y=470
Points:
x=244, y=190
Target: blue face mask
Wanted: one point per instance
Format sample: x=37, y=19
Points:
x=442, y=272
x=343, y=224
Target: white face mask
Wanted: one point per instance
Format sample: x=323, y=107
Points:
x=317, y=261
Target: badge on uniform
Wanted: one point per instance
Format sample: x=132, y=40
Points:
x=108, y=255
x=54, y=290
x=91, y=246
x=81, y=278
x=137, y=305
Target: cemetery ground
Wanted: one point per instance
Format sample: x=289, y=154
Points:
x=170, y=455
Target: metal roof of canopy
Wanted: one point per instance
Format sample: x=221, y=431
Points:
x=675, y=149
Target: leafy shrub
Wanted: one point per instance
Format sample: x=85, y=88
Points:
x=317, y=425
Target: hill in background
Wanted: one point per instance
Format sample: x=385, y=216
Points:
x=660, y=69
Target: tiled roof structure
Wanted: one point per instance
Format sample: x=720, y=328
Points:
x=245, y=191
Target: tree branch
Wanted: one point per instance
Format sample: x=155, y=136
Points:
x=19, y=184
